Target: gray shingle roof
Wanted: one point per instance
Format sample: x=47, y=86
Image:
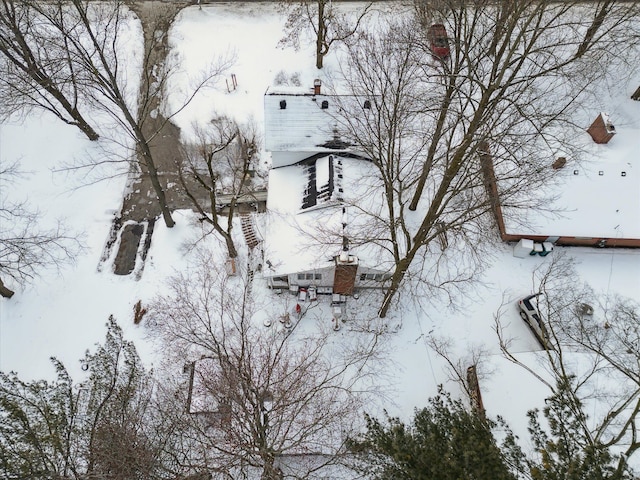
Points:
x=302, y=125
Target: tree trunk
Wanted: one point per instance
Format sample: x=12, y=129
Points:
x=396, y=280
x=270, y=471
x=5, y=291
x=231, y=248
x=322, y=33
x=421, y=237
x=82, y=124
x=426, y=168
x=601, y=15
x=45, y=81
x=155, y=182
x=79, y=120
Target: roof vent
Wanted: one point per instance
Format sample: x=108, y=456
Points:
x=283, y=104
x=325, y=104
x=316, y=86
x=602, y=130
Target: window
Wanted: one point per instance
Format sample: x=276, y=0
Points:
x=317, y=276
x=309, y=276
x=371, y=276
x=280, y=279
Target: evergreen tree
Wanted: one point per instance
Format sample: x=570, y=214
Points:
x=568, y=451
x=445, y=441
x=103, y=427
x=36, y=423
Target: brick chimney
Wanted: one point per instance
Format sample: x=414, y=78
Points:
x=602, y=130
x=316, y=86
x=344, y=279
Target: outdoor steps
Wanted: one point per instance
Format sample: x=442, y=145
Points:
x=246, y=221
x=252, y=240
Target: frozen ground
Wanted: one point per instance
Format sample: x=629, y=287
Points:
x=63, y=314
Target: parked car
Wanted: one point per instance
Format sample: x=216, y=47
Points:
x=531, y=314
x=438, y=41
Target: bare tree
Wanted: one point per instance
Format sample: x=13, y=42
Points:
x=453, y=137
x=264, y=393
x=221, y=164
x=93, y=44
x=594, y=362
x=327, y=24
x=90, y=35
x=36, y=73
x=26, y=247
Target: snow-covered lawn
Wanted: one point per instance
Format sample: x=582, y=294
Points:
x=62, y=314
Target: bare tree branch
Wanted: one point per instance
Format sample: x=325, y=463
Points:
x=273, y=391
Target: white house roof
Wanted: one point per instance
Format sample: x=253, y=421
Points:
x=303, y=124
x=301, y=237
x=599, y=197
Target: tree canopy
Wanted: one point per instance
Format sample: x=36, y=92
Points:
x=103, y=427
x=444, y=441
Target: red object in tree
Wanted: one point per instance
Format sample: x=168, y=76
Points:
x=298, y=308
x=438, y=41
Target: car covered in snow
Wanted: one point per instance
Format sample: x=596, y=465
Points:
x=438, y=41
x=528, y=308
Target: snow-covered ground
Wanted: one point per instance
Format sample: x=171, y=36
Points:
x=62, y=314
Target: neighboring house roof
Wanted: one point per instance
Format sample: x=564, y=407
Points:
x=304, y=229
x=596, y=198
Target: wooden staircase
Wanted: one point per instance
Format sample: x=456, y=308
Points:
x=246, y=221
x=252, y=240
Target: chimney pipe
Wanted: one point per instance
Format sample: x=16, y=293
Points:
x=316, y=86
x=345, y=240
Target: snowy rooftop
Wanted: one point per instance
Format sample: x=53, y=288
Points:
x=598, y=196
x=296, y=119
x=305, y=212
